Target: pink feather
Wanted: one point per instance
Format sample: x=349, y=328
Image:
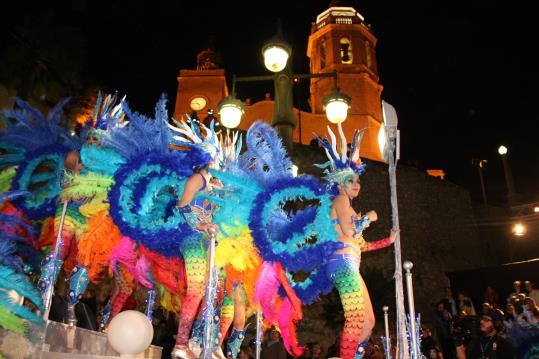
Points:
x=142, y=272
x=124, y=254
x=282, y=312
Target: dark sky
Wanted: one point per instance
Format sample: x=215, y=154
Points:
x=462, y=75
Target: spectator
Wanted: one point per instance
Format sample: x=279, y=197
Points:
x=489, y=344
x=442, y=326
x=516, y=290
x=334, y=350
x=313, y=350
x=373, y=350
x=427, y=341
x=246, y=353
x=510, y=316
x=492, y=297
x=449, y=301
x=531, y=311
x=306, y=352
x=465, y=305
x=435, y=353
x=273, y=348
x=532, y=292
x=485, y=307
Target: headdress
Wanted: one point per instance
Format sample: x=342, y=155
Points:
x=343, y=165
x=106, y=113
x=206, y=148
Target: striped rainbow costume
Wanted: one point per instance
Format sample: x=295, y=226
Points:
x=342, y=266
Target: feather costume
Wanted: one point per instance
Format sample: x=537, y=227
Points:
x=11, y=313
x=342, y=267
x=37, y=147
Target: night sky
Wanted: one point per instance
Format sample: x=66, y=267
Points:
x=462, y=75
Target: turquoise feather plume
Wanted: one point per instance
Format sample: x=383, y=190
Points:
x=11, y=280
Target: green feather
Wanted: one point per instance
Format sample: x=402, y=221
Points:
x=6, y=176
x=11, y=322
x=83, y=186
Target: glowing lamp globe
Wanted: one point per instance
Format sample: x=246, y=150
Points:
x=230, y=111
x=275, y=57
x=519, y=229
x=130, y=333
x=230, y=116
x=336, y=105
x=502, y=150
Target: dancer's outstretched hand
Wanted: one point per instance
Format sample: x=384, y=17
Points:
x=393, y=234
x=207, y=228
x=373, y=216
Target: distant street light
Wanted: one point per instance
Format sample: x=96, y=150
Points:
x=511, y=193
x=519, y=229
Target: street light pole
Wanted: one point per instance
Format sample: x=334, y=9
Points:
x=283, y=119
x=511, y=193
x=391, y=155
x=480, y=167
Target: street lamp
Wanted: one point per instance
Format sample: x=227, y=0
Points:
x=519, y=229
x=276, y=55
x=230, y=111
x=511, y=193
x=388, y=140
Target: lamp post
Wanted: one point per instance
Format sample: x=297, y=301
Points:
x=511, y=193
x=276, y=54
x=480, y=167
x=388, y=139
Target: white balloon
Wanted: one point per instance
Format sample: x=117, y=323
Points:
x=129, y=333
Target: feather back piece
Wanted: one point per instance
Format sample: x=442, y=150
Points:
x=266, y=159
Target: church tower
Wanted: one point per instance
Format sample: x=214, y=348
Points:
x=342, y=41
x=200, y=91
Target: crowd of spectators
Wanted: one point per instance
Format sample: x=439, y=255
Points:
x=462, y=329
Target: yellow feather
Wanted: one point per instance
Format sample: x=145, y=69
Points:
x=236, y=249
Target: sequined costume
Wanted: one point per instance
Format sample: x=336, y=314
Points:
x=194, y=252
x=343, y=265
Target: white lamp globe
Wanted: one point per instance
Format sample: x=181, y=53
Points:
x=230, y=116
x=275, y=58
x=336, y=111
x=502, y=150
x=130, y=333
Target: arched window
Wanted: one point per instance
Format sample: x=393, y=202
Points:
x=368, y=54
x=322, y=53
x=346, y=50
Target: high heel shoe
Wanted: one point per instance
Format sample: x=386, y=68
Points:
x=218, y=354
x=182, y=352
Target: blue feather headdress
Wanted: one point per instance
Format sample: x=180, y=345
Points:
x=43, y=143
x=140, y=134
x=31, y=130
x=206, y=146
x=107, y=113
x=341, y=166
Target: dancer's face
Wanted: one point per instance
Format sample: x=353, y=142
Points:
x=351, y=187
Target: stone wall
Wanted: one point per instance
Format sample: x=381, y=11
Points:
x=438, y=234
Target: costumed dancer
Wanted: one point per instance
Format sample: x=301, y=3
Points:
x=196, y=210
x=343, y=266
x=236, y=256
x=45, y=152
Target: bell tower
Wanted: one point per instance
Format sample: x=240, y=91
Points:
x=341, y=41
x=199, y=91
